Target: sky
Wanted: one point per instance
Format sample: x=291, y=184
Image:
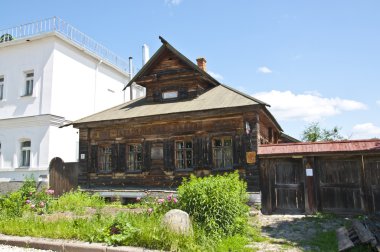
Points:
x=312, y=61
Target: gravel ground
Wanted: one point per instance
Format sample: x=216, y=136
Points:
x=291, y=232
x=4, y=248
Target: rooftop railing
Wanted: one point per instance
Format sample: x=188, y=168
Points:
x=56, y=24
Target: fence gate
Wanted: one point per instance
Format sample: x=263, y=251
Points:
x=62, y=176
x=288, y=186
x=372, y=169
x=340, y=185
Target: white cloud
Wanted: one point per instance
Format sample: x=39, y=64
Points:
x=365, y=130
x=264, y=70
x=286, y=105
x=215, y=75
x=173, y=2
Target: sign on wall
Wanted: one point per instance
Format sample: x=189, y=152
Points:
x=251, y=157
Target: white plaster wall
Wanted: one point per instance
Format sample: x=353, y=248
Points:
x=11, y=151
x=15, y=59
x=83, y=85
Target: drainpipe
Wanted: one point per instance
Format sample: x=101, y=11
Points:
x=95, y=82
x=130, y=76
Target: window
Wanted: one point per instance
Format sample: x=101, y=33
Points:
x=1, y=88
x=222, y=152
x=169, y=95
x=29, y=79
x=134, y=157
x=183, y=154
x=25, y=153
x=105, y=158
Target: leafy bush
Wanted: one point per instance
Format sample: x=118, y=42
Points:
x=77, y=201
x=12, y=205
x=216, y=203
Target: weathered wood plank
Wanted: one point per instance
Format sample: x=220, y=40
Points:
x=364, y=234
x=344, y=241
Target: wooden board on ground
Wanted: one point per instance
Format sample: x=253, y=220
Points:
x=344, y=241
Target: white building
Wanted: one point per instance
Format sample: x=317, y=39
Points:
x=50, y=75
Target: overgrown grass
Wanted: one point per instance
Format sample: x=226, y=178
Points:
x=143, y=229
x=77, y=202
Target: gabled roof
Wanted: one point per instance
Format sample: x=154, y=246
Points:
x=219, y=97
x=316, y=148
x=166, y=46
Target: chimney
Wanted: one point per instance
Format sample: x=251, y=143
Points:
x=130, y=77
x=145, y=54
x=201, y=62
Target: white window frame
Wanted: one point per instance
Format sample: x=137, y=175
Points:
x=29, y=83
x=169, y=95
x=2, y=87
x=25, y=153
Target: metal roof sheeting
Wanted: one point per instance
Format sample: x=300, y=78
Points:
x=372, y=145
x=218, y=97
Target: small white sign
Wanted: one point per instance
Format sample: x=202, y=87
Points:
x=309, y=172
x=82, y=156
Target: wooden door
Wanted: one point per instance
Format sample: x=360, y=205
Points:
x=63, y=177
x=340, y=183
x=288, y=186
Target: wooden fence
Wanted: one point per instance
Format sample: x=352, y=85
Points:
x=62, y=176
x=340, y=184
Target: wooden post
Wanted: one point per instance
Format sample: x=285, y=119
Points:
x=310, y=206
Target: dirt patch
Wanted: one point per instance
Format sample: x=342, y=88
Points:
x=89, y=212
x=293, y=232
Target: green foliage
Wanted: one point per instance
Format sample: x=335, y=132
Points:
x=77, y=201
x=325, y=241
x=216, y=203
x=12, y=205
x=314, y=133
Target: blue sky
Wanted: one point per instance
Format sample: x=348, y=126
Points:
x=311, y=60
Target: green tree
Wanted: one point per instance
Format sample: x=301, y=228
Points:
x=314, y=133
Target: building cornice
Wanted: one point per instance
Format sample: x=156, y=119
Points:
x=31, y=121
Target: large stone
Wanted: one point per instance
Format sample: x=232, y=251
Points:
x=178, y=221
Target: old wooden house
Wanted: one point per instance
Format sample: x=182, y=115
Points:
x=188, y=123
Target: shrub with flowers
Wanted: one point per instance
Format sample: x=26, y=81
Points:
x=156, y=205
x=39, y=201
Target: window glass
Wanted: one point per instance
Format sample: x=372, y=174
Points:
x=170, y=95
x=134, y=157
x=1, y=87
x=184, y=154
x=25, y=153
x=222, y=152
x=105, y=158
x=29, y=80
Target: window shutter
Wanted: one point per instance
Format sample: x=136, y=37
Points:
x=94, y=158
x=206, y=152
x=182, y=93
x=236, y=149
x=146, y=150
x=156, y=95
x=121, y=165
x=114, y=161
x=197, y=152
x=83, y=150
x=169, y=155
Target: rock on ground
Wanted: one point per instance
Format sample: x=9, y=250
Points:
x=178, y=221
